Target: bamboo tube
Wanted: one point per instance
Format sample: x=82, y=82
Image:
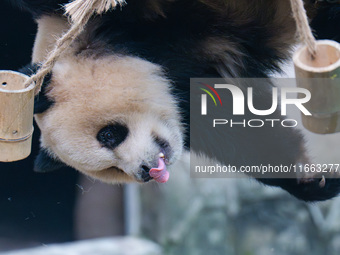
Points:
x=321, y=76
x=16, y=116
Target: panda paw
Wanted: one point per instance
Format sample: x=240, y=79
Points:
x=316, y=189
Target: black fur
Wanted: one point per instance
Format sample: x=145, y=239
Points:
x=40, y=7
x=326, y=24
x=45, y=163
x=310, y=190
x=113, y=135
x=173, y=39
x=41, y=101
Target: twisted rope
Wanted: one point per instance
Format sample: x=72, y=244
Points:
x=303, y=28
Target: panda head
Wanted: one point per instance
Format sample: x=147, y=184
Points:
x=109, y=117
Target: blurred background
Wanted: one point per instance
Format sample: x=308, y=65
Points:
x=46, y=213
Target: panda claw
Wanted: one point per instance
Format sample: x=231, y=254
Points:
x=322, y=183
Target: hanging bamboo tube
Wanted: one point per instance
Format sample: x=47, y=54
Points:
x=321, y=76
x=16, y=116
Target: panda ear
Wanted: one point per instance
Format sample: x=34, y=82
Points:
x=41, y=101
x=45, y=163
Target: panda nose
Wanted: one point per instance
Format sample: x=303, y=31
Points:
x=144, y=169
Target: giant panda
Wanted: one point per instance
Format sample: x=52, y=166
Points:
x=117, y=102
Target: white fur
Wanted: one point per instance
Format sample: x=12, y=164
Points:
x=50, y=28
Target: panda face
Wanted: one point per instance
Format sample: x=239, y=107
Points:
x=111, y=117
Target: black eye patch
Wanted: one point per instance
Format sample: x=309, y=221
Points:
x=112, y=135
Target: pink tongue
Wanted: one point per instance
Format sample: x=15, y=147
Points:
x=160, y=174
